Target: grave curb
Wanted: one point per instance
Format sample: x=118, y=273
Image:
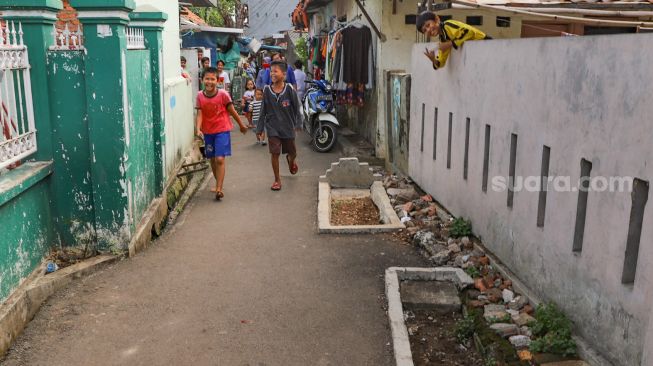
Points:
x=400, y=340
x=381, y=200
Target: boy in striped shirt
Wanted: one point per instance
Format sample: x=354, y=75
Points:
x=256, y=114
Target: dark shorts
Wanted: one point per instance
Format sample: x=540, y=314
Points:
x=281, y=146
x=217, y=145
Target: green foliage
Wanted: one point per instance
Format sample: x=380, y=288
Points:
x=301, y=49
x=552, y=330
x=211, y=16
x=473, y=272
x=460, y=227
x=490, y=361
x=222, y=16
x=465, y=329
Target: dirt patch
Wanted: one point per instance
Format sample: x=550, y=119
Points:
x=65, y=257
x=433, y=340
x=354, y=211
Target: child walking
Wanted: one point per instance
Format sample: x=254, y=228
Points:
x=213, y=123
x=280, y=117
x=256, y=115
x=248, y=98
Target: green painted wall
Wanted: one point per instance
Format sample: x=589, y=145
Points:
x=26, y=233
x=104, y=60
x=71, y=182
x=141, y=165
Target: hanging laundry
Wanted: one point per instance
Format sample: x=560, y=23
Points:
x=356, y=45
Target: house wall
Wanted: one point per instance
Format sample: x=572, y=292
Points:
x=177, y=93
x=537, y=89
x=26, y=217
x=268, y=17
x=489, y=25
x=72, y=187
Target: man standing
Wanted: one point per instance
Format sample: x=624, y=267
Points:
x=290, y=74
x=223, y=77
x=300, y=78
x=260, y=78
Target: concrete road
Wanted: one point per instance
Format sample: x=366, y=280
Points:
x=245, y=281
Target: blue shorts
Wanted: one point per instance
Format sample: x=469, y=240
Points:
x=217, y=145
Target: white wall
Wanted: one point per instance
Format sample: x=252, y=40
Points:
x=177, y=94
x=584, y=97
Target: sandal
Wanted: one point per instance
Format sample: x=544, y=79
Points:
x=219, y=195
x=276, y=186
x=294, y=168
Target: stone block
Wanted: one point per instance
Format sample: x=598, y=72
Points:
x=522, y=319
x=441, y=296
x=491, y=312
x=505, y=330
x=520, y=341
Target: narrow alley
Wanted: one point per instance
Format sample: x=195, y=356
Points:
x=245, y=281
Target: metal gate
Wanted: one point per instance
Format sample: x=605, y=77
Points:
x=18, y=137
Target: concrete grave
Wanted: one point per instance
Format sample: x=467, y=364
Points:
x=346, y=179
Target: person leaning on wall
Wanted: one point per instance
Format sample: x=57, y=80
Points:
x=451, y=33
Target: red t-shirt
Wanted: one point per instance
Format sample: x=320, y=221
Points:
x=215, y=117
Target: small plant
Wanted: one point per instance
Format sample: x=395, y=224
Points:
x=464, y=329
x=473, y=272
x=490, y=361
x=552, y=330
x=460, y=227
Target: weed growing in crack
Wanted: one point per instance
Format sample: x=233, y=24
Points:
x=460, y=227
x=473, y=272
x=552, y=330
x=490, y=361
x=464, y=329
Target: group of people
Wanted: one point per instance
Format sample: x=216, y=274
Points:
x=272, y=101
x=271, y=105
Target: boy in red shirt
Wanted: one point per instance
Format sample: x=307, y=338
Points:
x=213, y=123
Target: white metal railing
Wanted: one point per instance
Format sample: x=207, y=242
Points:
x=65, y=39
x=17, y=130
x=135, y=38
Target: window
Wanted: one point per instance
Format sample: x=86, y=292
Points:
x=411, y=19
x=444, y=18
x=503, y=22
x=475, y=20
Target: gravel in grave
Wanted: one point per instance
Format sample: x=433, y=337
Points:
x=354, y=211
x=433, y=340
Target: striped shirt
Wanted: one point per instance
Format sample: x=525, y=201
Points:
x=256, y=110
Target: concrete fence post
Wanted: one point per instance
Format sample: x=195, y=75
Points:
x=108, y=116
x=152, y=25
